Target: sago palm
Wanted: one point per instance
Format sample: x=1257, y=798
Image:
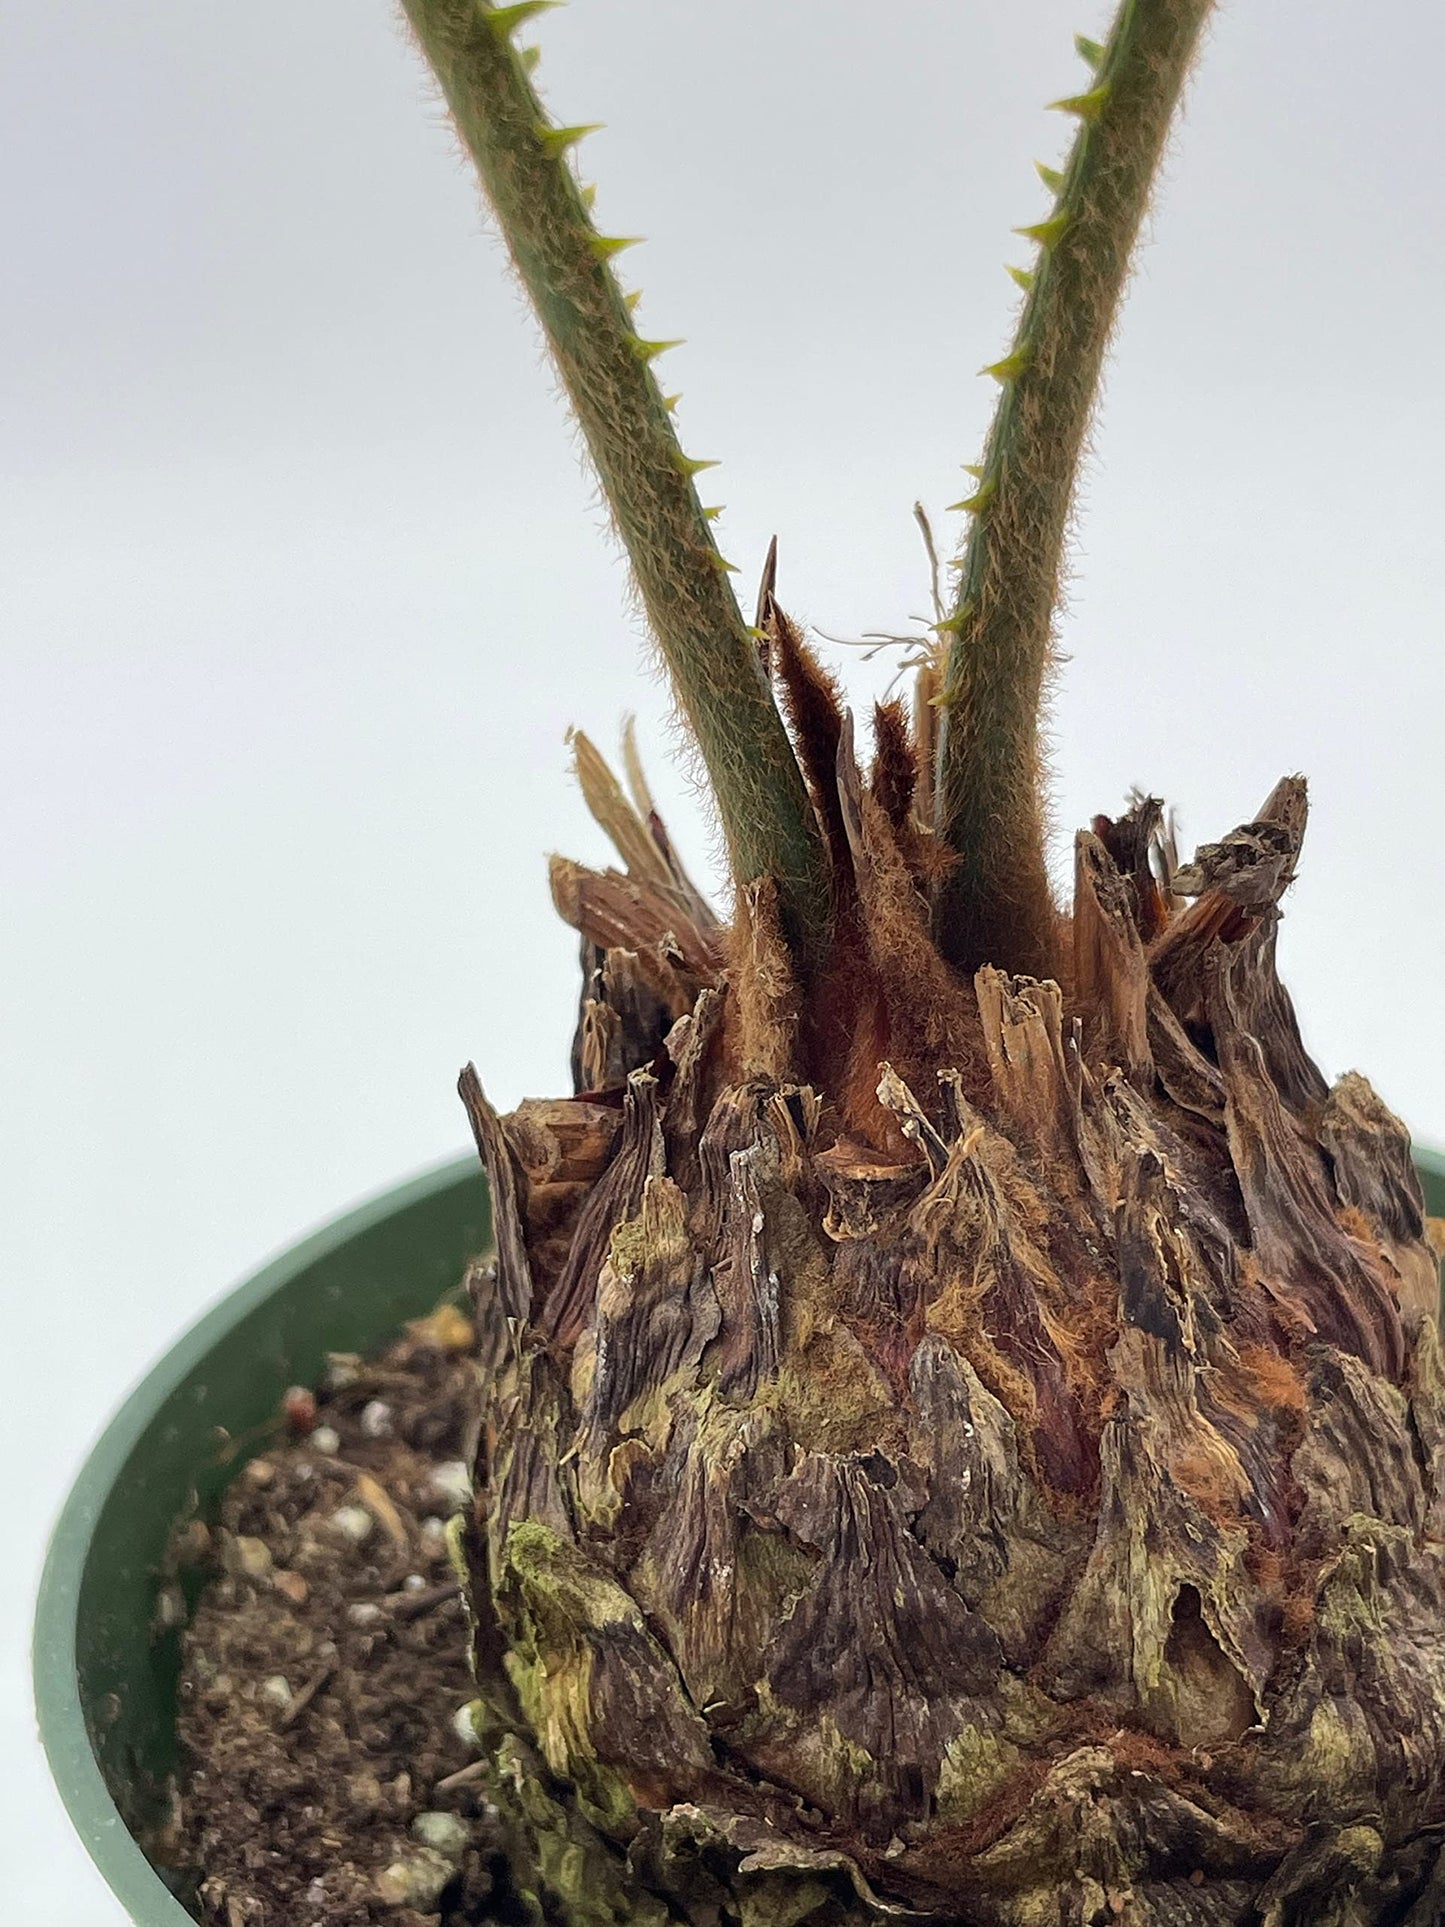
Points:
x=963, y=1413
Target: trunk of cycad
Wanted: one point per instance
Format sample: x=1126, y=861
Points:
x=1039, y=1523
x=958, y=1444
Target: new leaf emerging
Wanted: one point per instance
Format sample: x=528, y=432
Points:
x=996, y=905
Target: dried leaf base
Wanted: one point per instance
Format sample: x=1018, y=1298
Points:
x=997, y=1478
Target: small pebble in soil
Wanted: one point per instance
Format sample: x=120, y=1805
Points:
x=365, y=1791
x=191, y=1545
x=376, y=1419
x=276, y=1691
x=250, y=1558
x=448, y=1833
x=291, y=1586
x=464, y=1724
x=353, y=1522
x=416, y=1879
x=434, y=1538
x=326, y=1440
x=452, y=1484
x=365, y=1613
x=448, y=1329
x=299, y=1407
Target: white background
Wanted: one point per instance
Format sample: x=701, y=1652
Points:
x=303, y=579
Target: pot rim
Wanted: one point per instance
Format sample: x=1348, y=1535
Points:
x=64, y=1732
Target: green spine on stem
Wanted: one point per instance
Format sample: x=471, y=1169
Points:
x=606, y=369
x=995, y=905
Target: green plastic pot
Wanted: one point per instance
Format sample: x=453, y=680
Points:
x=105, y=1683
x=105, y=1680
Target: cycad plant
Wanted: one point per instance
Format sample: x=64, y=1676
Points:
x=964, y=1422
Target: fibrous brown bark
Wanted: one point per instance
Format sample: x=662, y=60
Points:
x=1017, y=1499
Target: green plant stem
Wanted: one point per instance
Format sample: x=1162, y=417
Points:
x=996, y=906
x=605, y=367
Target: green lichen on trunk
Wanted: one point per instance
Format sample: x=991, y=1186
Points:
x=525, y=171
x=995, y=906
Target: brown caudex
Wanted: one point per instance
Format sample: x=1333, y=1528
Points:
x=999, y=1478
x=959, y=1444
